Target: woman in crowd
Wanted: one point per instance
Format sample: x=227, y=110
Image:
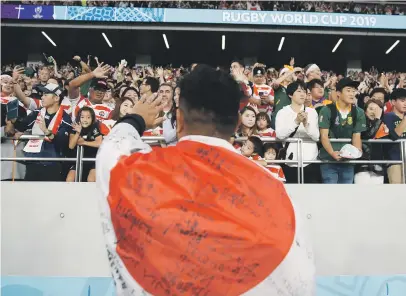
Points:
x=122, y=108
x=169, y=124
x=86, y=132
x=298, y=121
x=10, y=170
x=248, y=126
x=372, y=173
x=132, y=93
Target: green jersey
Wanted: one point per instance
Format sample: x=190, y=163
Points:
x=344, y=127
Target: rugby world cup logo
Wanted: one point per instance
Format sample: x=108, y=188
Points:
x=38, y=11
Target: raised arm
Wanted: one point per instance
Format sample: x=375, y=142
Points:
x=75, y=84
x=124, y=139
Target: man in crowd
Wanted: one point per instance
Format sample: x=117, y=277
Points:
x=165, y=91
x=396, y=123
x=44, y=74
x=262, y=93
x=279, y=87
x=379, y=93
x=316, y=88
x=338, y=121
x=149, y=86
x=182, y=231
x=52, y=122
x=96, y=93
x=237, y=71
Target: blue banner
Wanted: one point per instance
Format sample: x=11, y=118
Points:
x=71, y=286
x=206, y=16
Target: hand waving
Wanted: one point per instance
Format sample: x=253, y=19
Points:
x=148, y=109
x=17, y=72
x=101, y=71
x=77, y=127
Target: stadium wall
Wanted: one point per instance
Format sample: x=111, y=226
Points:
x=52, y=241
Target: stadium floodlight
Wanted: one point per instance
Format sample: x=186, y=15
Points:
x=166, y=41
x=337, y=45
x=223, y=42
x=393, y=46
x=107, y=40
x=49, y=38
x=281, y=43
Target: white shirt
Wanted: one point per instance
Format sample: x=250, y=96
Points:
x=285, y=125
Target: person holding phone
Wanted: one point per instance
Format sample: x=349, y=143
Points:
x=54, y=124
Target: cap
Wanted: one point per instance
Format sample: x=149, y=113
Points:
x=346, y=82
x=50, y=88
x=258, y=71
x=398, y=93
x=99, y=84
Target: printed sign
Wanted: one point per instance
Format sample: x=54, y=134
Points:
x=208, y=16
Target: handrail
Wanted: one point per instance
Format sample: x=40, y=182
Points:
x=299, y=162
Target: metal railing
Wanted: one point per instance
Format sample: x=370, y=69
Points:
x=299, y=149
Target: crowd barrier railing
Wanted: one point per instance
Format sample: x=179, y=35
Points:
x=299, y=162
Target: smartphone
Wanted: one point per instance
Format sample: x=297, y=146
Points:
x=12, y=109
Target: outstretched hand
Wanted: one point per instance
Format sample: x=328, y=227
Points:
x=148, y=108
x=101, y=71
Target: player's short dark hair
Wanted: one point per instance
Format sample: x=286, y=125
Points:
x=153, y=83
x=210, y=96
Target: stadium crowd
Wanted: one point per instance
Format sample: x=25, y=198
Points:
x=306, y=6
x=77, y=104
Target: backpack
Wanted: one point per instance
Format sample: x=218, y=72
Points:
x=334, y=117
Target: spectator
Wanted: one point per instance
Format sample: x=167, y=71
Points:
x=253, y=148
x=149, y=86
x=132, y=93
x=10, y=170
x=396, y=123
x=122, y=108
x=262, y=93
x=340, y=120
x=271, y=152
x=378, y=94
x=96, y=93
x=247, y=127
x=281, y=98
x=264, y=125
x=86, y=133
x=55, y=124
x=297, y=121
x=375, y=129
x=316, y=88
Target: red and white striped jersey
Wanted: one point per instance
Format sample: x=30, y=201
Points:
x=263, y=90
x=102, y=111
x=277, y=172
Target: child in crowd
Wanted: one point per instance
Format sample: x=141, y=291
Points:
x=271, y=151
x=86, y=132
x=253, y=148
x=264, y=125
